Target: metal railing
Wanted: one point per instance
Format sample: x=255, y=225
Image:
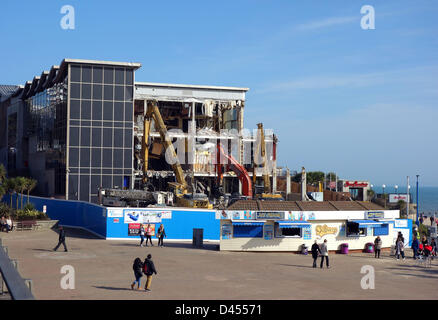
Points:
x=18, y=288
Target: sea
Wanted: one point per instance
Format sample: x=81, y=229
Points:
x=427, y=196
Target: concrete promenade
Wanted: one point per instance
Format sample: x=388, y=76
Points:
x=103, y=270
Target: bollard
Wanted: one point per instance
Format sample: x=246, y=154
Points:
x=15, y=263
x=29, y=284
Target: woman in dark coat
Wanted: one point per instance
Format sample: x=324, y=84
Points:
x=137, y=267
x=161, y=234
x=315, y=250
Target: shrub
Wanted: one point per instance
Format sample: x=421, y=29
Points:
x=29, y=207
x=424, y=230
x=33, y=214
x=4, y=209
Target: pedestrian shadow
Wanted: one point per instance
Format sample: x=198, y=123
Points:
x=429, y=270
x=44, y=250
x=113, y=288
x=211, y=247
x=294, y=265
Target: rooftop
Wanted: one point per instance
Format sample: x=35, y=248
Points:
x=268, y=205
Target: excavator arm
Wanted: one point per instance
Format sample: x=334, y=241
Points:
x=237, y=168
x=266, y=180
x=154, y=113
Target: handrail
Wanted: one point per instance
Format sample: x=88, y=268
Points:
x=17, y=288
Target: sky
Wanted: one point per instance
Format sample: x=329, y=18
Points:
x=358, y=102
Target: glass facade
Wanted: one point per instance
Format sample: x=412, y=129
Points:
x=46, y=122
x=100, y=151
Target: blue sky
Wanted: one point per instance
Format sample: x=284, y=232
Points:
x=362, y=103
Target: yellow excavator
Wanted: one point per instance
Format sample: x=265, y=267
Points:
x=267, y=194
x=184, y=198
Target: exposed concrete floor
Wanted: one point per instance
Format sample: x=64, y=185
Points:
x=103, y=270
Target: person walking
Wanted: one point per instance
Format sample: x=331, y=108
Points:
x=324, y=254
x=315, y=253
x=160, y=235
x=61, y=239
x=137, y=267
x=377, y=247
x=141, y=235
x=434, y=247
x=149, y=270
x=415, y=246
x=149, y=235
x=400, y=248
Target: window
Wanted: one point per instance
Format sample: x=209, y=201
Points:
x=353, y=230
x=287, y=232
x=248, y=231
x=383, y=230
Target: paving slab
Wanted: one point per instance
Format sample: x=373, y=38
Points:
x=103, y=270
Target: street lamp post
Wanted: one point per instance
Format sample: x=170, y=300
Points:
x=384, y=198
x=396, y=189
x=417, y=222
x=407, y=198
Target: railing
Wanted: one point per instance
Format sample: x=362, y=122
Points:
x=18, y=288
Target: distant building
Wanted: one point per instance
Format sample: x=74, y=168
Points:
x=357, y=189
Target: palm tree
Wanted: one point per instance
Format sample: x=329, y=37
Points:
x=2, y=174
x=19, y=188
x=10, y=186
x=2, y=181
x=30, y=185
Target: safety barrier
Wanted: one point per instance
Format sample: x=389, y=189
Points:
x=18, y=288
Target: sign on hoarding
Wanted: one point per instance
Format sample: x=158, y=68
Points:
x=394, y=198
x=115, y=213
x=133, y=229
x=374, y=215
x=318, y=196
x=145, y=216
x=300, y=215
x=268, y=232
x=355, y=184
x=270, y=215
x=226, y=231
x=401, y=223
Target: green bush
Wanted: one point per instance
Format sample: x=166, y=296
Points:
x=29, y=207
x=424, y=231
x=5, y=210
x=33, y=214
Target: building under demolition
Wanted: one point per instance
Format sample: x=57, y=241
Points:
x=86, y=125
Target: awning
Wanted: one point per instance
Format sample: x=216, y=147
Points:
x=248, y=223
x=367, y=223
x=293, y=224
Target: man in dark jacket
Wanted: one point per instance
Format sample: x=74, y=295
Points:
x=315, y=250
x=415, y=246
x=61, y=239
x=149, y=269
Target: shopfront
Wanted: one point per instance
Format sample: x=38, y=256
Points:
x=289, y=230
